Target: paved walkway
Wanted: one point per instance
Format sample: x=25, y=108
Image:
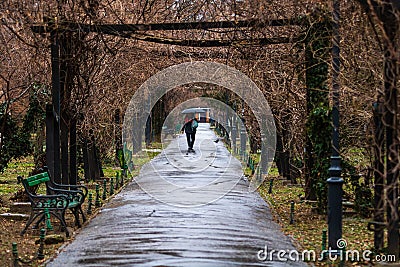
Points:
x=197, y=211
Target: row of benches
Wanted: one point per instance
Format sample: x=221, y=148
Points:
x=56, y=201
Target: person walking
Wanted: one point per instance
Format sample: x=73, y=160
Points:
x=190, y=129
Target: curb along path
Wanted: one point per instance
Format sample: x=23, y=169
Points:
x=197, y=212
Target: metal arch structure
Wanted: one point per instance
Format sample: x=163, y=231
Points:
x=56, y=132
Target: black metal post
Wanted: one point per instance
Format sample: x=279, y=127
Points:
x=242, y=140
x=291, y=212
x=64, y=151
x=50, y=140
x=64, y=117
x=233, y=135
x=40, y=254
x=15, y=254
x=264, y=148
x=55, y=75
x=335, y=182
x=271, y=184
x=148, y=130
x=227, y=126
x=86, y=167
x=90, y=199
x=73, y=171
x=392, y=151
x=117, y=133
x=92, y=157
x=137, y=135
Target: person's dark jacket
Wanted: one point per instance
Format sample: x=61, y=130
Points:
x=188, y=127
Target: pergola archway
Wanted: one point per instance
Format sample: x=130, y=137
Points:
x=58, y=134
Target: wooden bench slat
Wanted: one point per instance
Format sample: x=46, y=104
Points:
x=37, y=181
x=38, y=176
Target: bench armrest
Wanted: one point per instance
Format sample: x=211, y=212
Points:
x=49, y=201
x=72, y=195
x=66, y=186
x=81, y=188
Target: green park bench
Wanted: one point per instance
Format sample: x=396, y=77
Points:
x=58, y=199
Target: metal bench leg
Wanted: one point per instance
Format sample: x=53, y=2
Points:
x=75, y=211
x=33, y=216
x=61, y=218
x=83, y=215
x=41, y=219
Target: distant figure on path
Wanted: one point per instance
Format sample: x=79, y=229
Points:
x=190, y=129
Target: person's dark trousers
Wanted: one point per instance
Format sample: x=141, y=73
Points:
x=190, y=137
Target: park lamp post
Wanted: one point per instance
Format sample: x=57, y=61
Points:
x=335, y=182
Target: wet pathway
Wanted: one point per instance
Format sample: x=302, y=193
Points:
x=196, y=211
